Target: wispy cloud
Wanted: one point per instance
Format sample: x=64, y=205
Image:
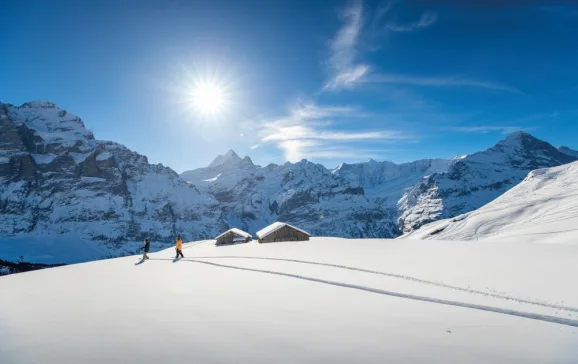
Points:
x=426, y=19
x=484, y=129
x=440, y=82
x=345, y=68
x=348, y=70
x=307, y=132
x=519, y=124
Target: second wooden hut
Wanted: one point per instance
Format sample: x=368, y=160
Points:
x=281, y=231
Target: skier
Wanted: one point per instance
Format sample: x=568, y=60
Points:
x=147, y=246
x=179, y=247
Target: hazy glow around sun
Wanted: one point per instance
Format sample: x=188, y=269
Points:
x=209, y=98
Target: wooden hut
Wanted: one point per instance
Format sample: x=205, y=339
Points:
x=233, y=235
x=280, y=231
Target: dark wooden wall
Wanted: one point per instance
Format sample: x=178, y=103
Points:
x=285, y=234
x=228, y=238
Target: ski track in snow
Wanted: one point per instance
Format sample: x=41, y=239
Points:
x=529, y=315
x=408, y=278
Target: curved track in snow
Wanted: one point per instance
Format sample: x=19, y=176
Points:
x=408, y=278
x=529, y=315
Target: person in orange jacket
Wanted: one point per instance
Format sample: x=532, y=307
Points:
x=179, y=247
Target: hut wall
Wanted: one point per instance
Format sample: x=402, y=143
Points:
x=229, y=237
x=285, y=234
x=226, y=239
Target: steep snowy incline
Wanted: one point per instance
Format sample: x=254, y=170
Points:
x=476, y=179
x=322, y=301
x=542, y=208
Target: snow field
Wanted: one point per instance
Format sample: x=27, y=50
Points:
x=255, y=303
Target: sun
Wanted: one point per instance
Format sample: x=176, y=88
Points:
x=209, y=98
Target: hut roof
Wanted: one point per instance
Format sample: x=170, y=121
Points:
x=274, y=227
x=236, y=232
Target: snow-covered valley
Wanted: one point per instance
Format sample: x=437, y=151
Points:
x=327, y=300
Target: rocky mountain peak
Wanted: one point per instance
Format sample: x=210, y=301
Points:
x=230, y=158
x=45, y=104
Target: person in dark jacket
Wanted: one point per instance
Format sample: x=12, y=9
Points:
x=147, y=247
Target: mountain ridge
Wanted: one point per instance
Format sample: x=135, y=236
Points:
x=60, y=185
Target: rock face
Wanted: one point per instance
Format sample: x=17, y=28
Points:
x=475, y=180
x=56, y=180
x=386, y=181
x=67, y=197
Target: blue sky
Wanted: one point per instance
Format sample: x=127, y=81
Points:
x=329, y=81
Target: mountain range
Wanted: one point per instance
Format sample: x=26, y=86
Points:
x=67, y=197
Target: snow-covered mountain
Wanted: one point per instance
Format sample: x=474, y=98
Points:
x=58, y=181
x=474, y=180
x=303, y=193
x=542, y=208
x=68, y=197
x=387, y=181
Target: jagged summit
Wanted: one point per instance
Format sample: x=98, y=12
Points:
x=40, y=104
x=519, y=134
x=517, y=139
x=230, y=158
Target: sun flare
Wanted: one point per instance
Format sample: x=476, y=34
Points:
x=209, y=98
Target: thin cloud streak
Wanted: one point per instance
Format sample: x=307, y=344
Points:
x=440, y=82
x=507, y=129
x=484, y=129
x=427, y=19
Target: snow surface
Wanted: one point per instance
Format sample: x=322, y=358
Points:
x=274, y=227
x=236, y=231
x=542, y=208
x=327, y=300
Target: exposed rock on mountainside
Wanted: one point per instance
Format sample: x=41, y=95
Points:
x=476, y=179
x=57, y=181
x=542, y=208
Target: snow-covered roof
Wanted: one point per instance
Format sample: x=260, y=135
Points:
x=274, y=227
x=236, y=232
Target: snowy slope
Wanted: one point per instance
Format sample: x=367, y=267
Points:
x=542, y=208
x=322, y=301
x=474, y=180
